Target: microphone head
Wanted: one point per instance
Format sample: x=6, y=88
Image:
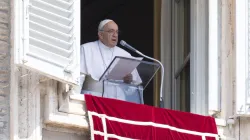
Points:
x=123, y=43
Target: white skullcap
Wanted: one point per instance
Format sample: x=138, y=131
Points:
x=103, y=23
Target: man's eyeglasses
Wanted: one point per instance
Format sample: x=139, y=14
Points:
x=112, y=32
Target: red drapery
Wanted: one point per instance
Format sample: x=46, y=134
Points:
x=112, y=119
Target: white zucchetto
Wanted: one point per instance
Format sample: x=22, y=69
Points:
x=103, y=23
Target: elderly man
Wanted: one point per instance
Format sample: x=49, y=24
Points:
x=96, y=57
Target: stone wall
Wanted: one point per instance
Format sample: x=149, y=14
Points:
x=238, y=130
x=4, y=68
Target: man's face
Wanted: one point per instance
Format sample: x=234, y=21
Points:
x=109, y=34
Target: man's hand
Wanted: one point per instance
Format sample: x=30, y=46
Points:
x=128, y=79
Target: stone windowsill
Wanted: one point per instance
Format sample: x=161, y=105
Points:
x=66, y=110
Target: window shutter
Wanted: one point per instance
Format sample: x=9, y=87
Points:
x=242, y=58
x=51, y=38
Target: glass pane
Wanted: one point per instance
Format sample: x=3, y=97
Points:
x=181, y=49
x=182, y=90
x=185, y=89
x=181, y=32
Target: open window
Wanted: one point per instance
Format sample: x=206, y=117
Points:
x=181, y=55
x=49, y=42
x=186, y=53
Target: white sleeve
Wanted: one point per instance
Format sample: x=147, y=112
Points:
x=83, y=67
x=136, y=77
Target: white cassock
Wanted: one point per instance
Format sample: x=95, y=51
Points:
x=95, y=58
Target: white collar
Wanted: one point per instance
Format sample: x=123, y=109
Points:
x=102, y=46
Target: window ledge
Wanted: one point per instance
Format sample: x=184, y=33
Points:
x=70, y=102
x=220, y=122
x=67, y=120
x=78, y=97
x=53, y=116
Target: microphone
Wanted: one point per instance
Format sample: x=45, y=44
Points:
x=123, y=43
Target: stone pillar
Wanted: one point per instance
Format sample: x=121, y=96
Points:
x=227, y=52
x=227, y=57
x=29, y=118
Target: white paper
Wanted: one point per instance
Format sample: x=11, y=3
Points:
x=122, y=67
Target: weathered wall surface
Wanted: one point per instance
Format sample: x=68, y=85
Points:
x=241, y=127
x=4, y=68
x=31, y=104
x=50, y=135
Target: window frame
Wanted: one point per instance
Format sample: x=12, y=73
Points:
x=242, y=56
x=199, y=57
x=214, y=104
x=180, y=58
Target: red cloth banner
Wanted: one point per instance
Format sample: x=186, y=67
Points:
x=112, y=119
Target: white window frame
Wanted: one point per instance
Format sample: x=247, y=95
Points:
x=214, y=104
x=166, y=58
x=179, y=61
x=242, y=56
x=199, y=57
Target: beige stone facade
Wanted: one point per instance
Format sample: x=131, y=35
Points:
x=34, y=107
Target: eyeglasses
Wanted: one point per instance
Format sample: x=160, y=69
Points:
x=112, y=32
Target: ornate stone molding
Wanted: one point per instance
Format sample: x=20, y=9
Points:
x=56, y=118
x=69, y=101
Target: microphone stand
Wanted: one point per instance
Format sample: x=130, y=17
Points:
x=162, y=75
x=123, y=43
